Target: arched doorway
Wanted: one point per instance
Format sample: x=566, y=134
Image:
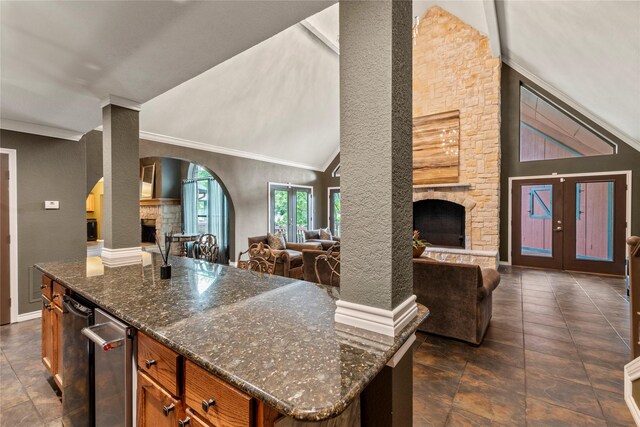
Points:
x=94, y=211
x=205, y=207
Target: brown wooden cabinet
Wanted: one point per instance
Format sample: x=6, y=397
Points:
x=52, y=311
x=201, y=399
x=156, y=407
x=214, y=400
x=47, y=339
x=58, y=347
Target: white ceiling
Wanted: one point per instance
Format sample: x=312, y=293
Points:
x=469, y=11
x=587, y=52
x=59, y=58
x=278, y=101
x=276, y=98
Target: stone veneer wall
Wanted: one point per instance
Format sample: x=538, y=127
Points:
x=453, y=69
x=168, y=218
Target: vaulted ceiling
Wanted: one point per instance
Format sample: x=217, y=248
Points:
x=261, y=79
x=60, y=58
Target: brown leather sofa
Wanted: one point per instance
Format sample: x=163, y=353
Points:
x=314, y=236
x=289, y=262
x=458, y=297
x=325, y=274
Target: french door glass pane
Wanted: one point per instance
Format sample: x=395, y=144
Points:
x=302, y=209
x=281, y=211
x=594, y=221
x=536, y=220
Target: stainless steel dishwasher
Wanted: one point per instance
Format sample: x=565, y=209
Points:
x=113, y=370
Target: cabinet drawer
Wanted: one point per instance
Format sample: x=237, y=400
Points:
x=159, y=362
x=46, y=286
x=214, y=400
x=156, y=407
x=58, y=292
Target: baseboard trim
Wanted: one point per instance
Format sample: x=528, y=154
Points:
x=29, y=316
x=632, y=373
x=385, y=322
x=121, y=257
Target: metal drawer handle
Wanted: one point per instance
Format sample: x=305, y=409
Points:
x=167, y=409
x=149, y=363
x=104, y=344
x=43, y=286
x=206, y=404
x=185, y=422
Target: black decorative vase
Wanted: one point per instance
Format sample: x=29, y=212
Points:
x=165, y=272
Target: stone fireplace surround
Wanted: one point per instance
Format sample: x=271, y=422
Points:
x=459, y=194
x=167, y=214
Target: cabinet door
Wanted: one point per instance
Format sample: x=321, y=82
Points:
x=47, y=332
x=156, y=407
x=56, y=336
x=194, y=420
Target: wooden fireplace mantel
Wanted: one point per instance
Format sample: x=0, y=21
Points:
x=159, y=202
x=444, y=185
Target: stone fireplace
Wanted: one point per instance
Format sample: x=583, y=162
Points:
x=454, y=69
x=166, y=213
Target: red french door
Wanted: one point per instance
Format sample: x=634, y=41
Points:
x=574, y=223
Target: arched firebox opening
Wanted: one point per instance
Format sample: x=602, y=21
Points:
x=440, y=222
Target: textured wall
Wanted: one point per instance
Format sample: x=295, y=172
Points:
x=627, y=158
x=453, y=69
x=48, y=169
x=121, y=167
x=375, y=127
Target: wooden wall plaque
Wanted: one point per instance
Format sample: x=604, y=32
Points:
x=436, y=146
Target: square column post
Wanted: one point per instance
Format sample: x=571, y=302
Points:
x=121, y=168
x=376, y=283
x=376, y=165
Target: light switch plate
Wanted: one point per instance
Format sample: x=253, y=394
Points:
x=51, y=204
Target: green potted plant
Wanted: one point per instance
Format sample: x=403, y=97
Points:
x=418, y=245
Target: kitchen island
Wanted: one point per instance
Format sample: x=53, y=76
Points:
x=271, y=338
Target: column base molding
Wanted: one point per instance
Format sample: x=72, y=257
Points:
x=121, y=257
x=385, y=322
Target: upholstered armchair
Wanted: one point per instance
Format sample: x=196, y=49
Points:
x=459, y=298
x=289, y=262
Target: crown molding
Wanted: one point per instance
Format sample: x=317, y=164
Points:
x=223, y=150
x=43, y=130
x=313, y=30
x=333, y=156
x=627, y=139
x=120, y=102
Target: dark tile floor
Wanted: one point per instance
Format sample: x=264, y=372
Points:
x=553, y=356
x=27, y=398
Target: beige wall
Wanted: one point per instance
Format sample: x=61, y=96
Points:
x=453, y=69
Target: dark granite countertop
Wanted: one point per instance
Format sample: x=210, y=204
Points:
x=274, y=338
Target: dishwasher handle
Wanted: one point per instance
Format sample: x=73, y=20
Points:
x=106, y=345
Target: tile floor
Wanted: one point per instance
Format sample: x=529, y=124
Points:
x=553, y=356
